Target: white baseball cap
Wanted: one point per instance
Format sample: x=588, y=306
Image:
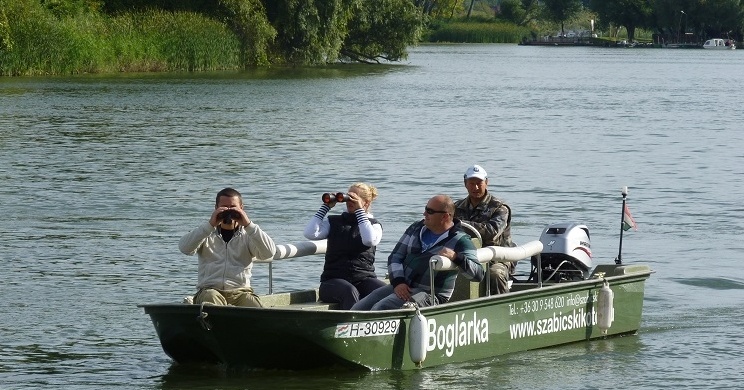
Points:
x=476, y=171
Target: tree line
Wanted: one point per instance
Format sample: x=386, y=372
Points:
x=74, y=36
x=268, y=32
x=671, y=19
x=304, y=31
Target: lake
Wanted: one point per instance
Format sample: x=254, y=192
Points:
x=102, y=174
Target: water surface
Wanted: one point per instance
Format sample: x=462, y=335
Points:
x=101, y=175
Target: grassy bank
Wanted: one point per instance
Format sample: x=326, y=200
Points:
x=477, y=32
x=36, y=42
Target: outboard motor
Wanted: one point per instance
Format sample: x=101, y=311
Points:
x=566, y=255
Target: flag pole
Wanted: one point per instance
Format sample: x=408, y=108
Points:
x=619, y=258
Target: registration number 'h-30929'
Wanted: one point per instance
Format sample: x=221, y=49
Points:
x=367, y=328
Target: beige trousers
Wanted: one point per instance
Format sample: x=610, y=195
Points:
x=499, y=274
x=237, y=297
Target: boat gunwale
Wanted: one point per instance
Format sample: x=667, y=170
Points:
x=405, y=312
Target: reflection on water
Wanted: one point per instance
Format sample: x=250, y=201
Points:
x=210, y=377
x=714, y=283
x=102, y=175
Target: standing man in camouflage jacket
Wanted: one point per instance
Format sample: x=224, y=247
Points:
x=492, y=218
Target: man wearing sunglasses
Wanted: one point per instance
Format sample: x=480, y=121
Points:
x=492, y=218
x=408, y=265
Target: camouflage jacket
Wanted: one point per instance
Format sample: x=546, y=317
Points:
x=491, y=217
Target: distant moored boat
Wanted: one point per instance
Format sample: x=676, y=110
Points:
x=719, y=44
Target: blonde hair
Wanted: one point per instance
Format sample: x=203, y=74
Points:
x=368, y=192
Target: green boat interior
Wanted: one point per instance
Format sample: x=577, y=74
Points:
x=561, y=255
x=464, y=289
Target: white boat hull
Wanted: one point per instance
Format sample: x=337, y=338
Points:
x=719, y=44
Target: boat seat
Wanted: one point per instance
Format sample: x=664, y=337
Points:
x=290, y=298
x=618, y=270
x=464, y=287
x=303, y=299
x=314, y=306
x=468, y=289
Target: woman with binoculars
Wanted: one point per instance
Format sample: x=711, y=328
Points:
x=349, y=270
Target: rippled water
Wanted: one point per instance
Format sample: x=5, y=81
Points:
x=101, y=175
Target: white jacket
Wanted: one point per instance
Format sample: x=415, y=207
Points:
x=227, y=265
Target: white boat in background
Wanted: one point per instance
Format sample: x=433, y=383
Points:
x=719, y=44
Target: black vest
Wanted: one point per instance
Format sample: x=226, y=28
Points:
x=346, y=257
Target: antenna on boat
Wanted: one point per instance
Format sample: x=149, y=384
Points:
x=619, y=258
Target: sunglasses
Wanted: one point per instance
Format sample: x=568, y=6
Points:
x=431, y=211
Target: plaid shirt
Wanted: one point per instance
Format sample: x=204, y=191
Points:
x=409, y=263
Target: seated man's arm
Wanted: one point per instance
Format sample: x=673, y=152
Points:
x=466, y=259
x=260, y=245
x=192, y=241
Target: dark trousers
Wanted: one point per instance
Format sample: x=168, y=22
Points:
x=347, y=294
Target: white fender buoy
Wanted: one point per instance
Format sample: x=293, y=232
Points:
x=417, y=336
x=605, y=308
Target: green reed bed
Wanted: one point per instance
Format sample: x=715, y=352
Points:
x=39, y=43
x=492, y=32
x=160, y=41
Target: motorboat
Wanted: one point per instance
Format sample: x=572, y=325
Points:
x=719, y=44
x=564, y=299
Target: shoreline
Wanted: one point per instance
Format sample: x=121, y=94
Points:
x=594, y=42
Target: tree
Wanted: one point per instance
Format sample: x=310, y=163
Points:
x=306, y=32
x=309, y=31
x=470, y=8
x=519, y=12
x=559, y=11
x=442, y=9
x=382, y=30
x=247, y=18
x=719, y=19
x=5, y=41
x=705, y=19
x=512, y=11
x=628, y=13
x=325, y=31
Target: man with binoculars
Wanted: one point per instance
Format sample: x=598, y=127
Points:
x=226, y=246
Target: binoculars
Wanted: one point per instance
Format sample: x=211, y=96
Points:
x=329, y=197
x=228, y=216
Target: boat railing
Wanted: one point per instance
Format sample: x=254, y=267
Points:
x=487, y=255
x=290, y=251
x=438, y=263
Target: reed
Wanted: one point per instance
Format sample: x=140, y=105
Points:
x=39, y=43
x=477, y=32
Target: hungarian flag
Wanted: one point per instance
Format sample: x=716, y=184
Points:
x=628, y=221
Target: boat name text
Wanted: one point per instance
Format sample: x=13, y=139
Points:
x=367, y=329
x=460, y=332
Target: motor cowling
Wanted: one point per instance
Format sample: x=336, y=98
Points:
x=566, y=253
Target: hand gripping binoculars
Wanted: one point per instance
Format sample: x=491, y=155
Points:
x=329, y=197
x=228, y=216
